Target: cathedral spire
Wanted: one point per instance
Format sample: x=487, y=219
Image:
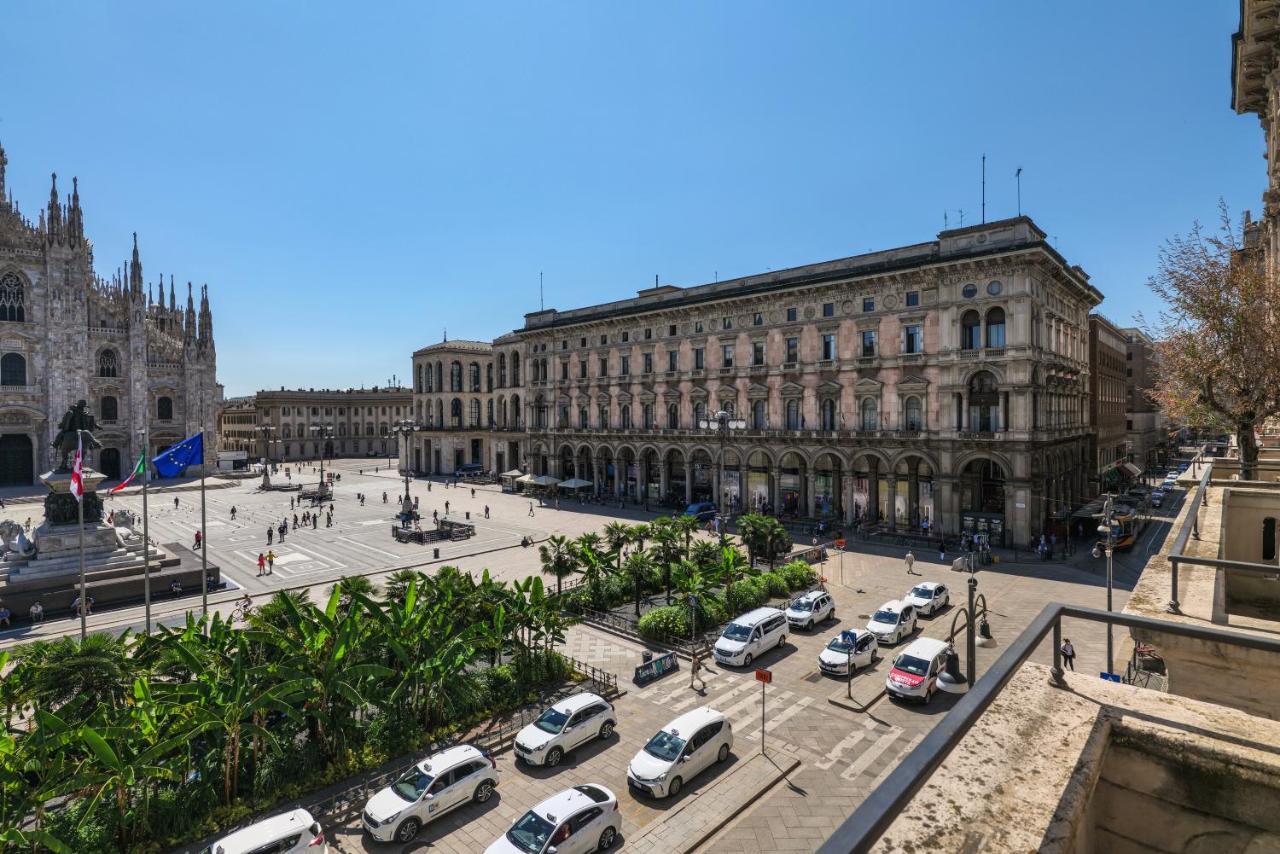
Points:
x=173, y=301
x=74, y=214
x=206, y=318
x=4, y=161
x=190, y=324
x=135, y=270
x=55, y=211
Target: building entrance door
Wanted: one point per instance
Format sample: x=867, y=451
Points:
x=109, y=463
x=16, y=466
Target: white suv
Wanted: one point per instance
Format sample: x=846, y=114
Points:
x=289, y=833
x=430, y=789
x=929, y=597
x=575, y=821
x=680, y=751
x=563, y=727
x=848, y=649
x=809, y=609
x=892, y=622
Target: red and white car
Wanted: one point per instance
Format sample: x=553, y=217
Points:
x=916, y=669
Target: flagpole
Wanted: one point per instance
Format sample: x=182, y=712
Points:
x=204, y=529
x=146, y=539
x=84, y=625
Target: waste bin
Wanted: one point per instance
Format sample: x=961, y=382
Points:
x=646, y=656
x=468, y=515
x=435, y=553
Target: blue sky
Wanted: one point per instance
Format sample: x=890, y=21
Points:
x=361, y=176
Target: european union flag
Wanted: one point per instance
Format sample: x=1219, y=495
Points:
x=173, y=460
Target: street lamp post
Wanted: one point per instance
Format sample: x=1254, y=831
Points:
x=722, y=422
x=405, y=428
x=1108, y=527
x=265, y=431
x=324, y=432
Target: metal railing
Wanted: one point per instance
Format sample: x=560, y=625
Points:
x=863, y=829
x=1191, y=530
x=630, y=628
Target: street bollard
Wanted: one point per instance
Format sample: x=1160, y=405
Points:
x=435, y=554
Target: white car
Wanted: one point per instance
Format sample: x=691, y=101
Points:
x=809, y=609
x=433, y=787
x=893, y=621
x=916, y=669
x=749, y=636
x=929, y=597
x=288, y=833
x=575, y=821
x=680, y=751
x=835, y=658
x=567, y=724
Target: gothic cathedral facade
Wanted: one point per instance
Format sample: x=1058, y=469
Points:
x=68, y=334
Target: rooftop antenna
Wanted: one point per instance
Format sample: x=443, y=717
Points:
x=541, y=305
x=962, y=217
x=655, y=280
x=446, y=335
x=717, y=275
x=944, y=221
x=984, y=189
x=1018, y=177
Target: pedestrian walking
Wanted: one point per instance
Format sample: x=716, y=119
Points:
x=196, y=548
x=262, y=564
x=435, y=517
x=695, y=673
x=446, y=508
x=942, y=550
x=271, y=562
x=473, y=492
x=233, y=513
x=486, y=511
x=911, y=562
x=270, y=534
x=1068, y=655
x=530, y=508
x=37, y=612
x=384, y=497
x=175, y=502
x=291, y=504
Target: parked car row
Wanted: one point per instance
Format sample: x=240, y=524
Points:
x=586, y=817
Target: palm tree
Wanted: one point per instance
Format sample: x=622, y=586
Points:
x=348, y=586
x=88, y=675
x=591, y=564
x=559, y=558
x=731, y=566
x=763, y=536
x=695, y=585
x=638, y=566
x=617, y=535
x=666, y=551
x=639, y=533
x=686, y=526
x=704, y=554
x=398, y=583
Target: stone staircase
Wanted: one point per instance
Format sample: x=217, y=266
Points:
x=100, y=563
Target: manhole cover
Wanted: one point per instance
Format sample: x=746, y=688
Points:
x=815, y=678
x=864, y=616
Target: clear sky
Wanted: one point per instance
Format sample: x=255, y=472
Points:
x=352, y=178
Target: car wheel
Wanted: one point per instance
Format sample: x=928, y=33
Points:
x=483, y=792
x=832, y=616
x=928, y=696
x=723, y=754
x=554, y=755
x=607, y=838
x=674, y=788
x=781, y=641
x=606, y=730
x=408, y=829
x=746, y=662
x=808, y=627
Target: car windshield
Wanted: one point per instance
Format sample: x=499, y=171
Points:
x=802, y=605
x=922, y=592
x=885, y=616
x=737, y=632
x=412, y=785
x=666, y=746
x=838, y=645
x=551, y=721
x=911, y=664
x=530, y=833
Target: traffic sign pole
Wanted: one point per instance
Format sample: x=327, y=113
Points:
x=764, y=677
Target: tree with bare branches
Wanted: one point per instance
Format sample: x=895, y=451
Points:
x=1218, y=339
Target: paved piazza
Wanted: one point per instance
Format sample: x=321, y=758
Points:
x=839, y=754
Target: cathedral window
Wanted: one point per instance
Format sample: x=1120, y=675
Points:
x=109, y=408
x=164, y=408
x=107, y=366
x=13, y=369
x=12, y=306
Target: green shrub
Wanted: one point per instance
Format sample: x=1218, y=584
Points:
x=746, y=593
x=664, y=622
x=712, y=612
x=775, y=584
x=799, y=574
x=500, y=685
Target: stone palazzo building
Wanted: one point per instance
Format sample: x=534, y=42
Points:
x=68, y=334
x=945, y=382
x=302, y=424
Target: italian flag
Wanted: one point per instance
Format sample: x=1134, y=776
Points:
x=77, y=469
x=140, y=468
